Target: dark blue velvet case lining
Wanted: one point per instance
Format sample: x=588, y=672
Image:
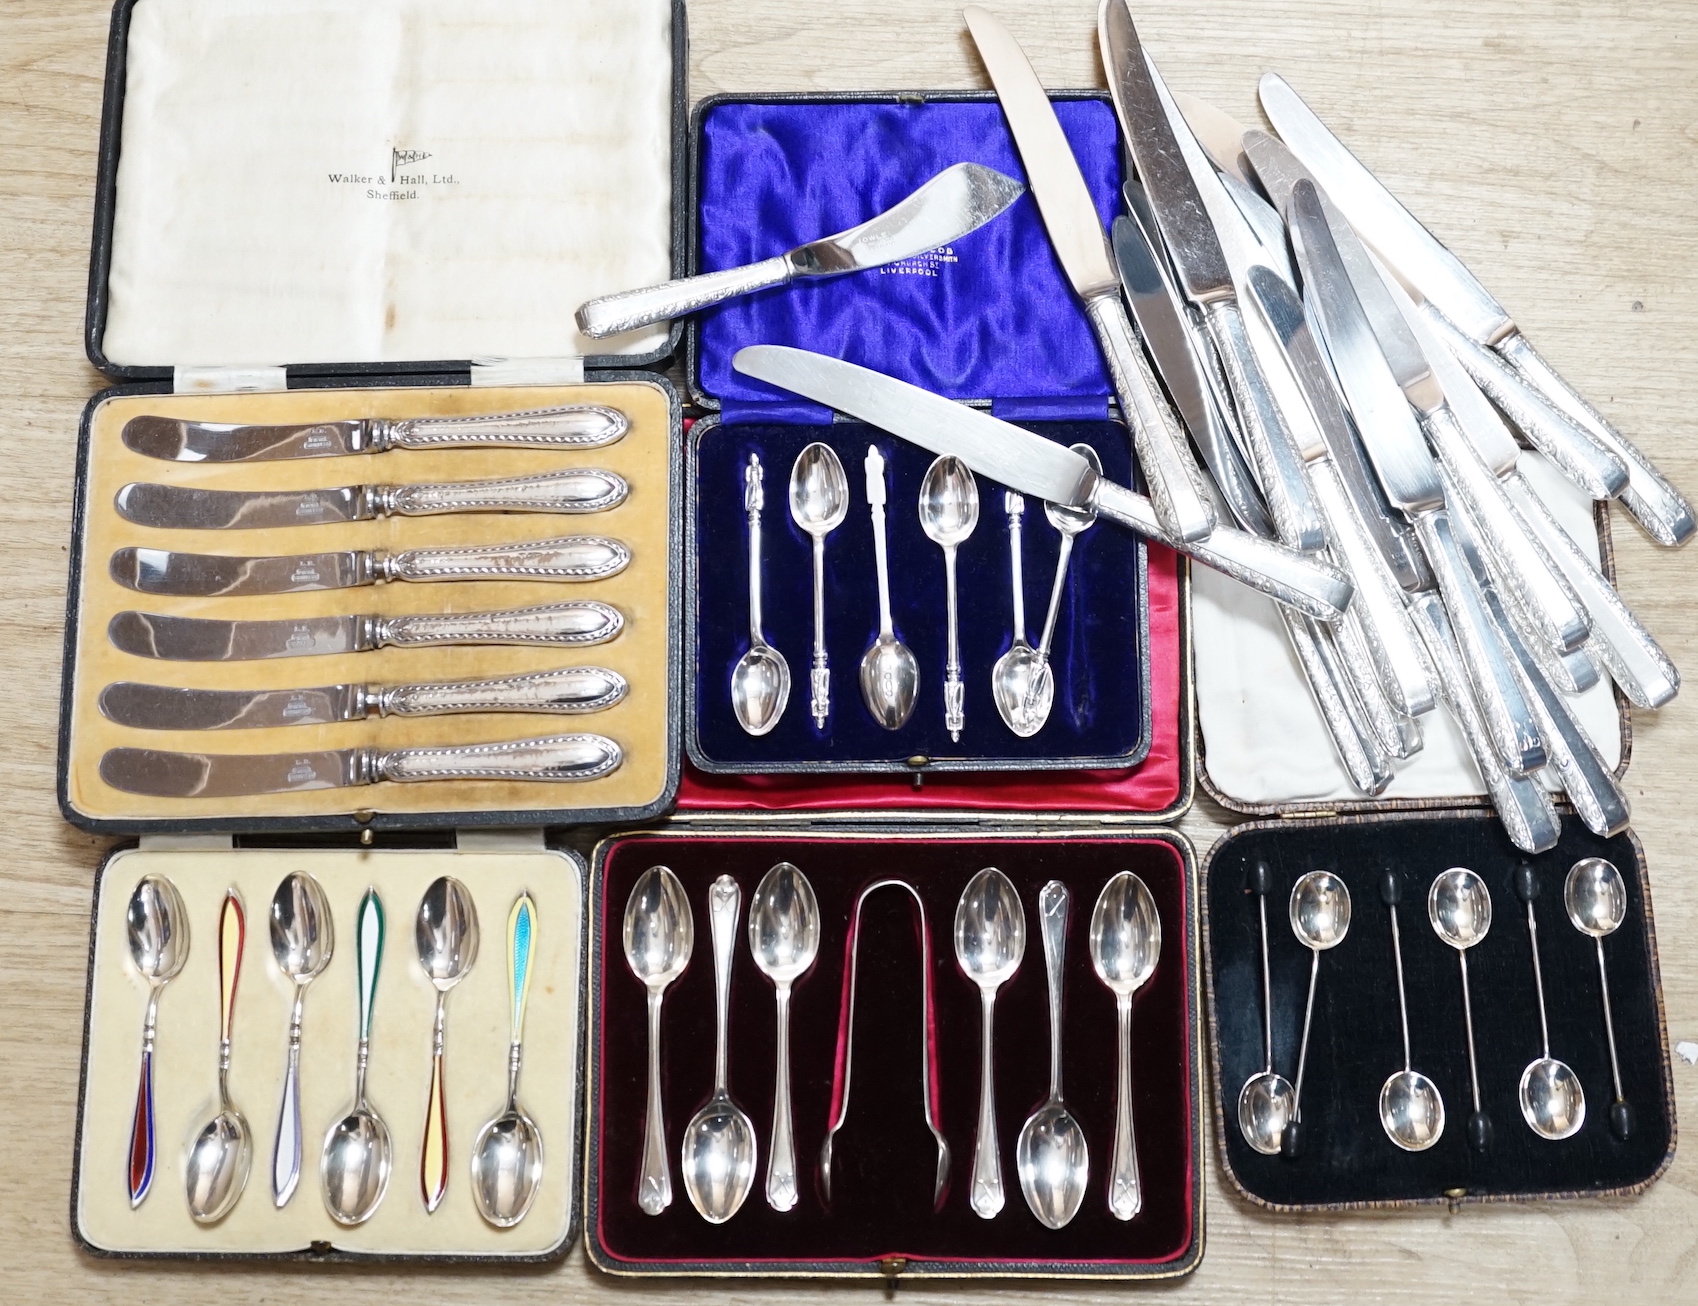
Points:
x=990, y=316
x=1099, y=714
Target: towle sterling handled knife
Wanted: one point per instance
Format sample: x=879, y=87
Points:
x=1457, y=295
x=162, y=774
x=217, y=575
x=183, y=507
x=1076, y=234
x=579, y=623
x=1030, y=464
x=566, y=692
x=571, y=426
x=958, y=200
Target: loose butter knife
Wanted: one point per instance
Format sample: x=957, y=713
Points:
x=1076, y=233
x=1030, y=464
x=568, y=691
x=958, y=200
x=208, y=575
x=162, y=774
x=571, y=426
x=1457, y=294
x=198, y=639
x=183, y=507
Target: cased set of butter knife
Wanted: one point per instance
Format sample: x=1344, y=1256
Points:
x=572, y=624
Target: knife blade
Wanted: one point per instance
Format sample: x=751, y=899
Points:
x=579, y=623
x=161, y=774
x=209, y=575
x=569, y=426
x=185, y=507
x=1030, y=464
x=1457, y=294
x=960, y=199
x=568, y=691
x=1190, y=206
x=1070, y=217
x=1411, y=479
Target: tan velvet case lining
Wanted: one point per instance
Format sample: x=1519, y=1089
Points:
x=640, y=653
x=186, y=1052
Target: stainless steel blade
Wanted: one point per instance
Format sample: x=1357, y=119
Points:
x=1218, y=133
x=165, y=571
x=177, y=440
x=1185, y=224
x=1380, y=219
x=184, y=507
x=167, y=707
x=960, y=199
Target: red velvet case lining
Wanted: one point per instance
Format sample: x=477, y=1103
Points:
x=882, y=1200
x=1153, y=786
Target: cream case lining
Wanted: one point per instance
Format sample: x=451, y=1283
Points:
x=398, y=1079
x=1264, y=739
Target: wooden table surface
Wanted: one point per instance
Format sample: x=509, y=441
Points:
x=1552, y=145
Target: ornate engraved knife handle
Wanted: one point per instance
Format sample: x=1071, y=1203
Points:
x=575, y=624
x=548, y=759
x=569, y=558
x=608, y=315
x=570, y=426
x=567, y=691
x=584, y=490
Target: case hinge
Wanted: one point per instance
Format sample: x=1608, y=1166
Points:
x=527, y=840
x=568, y=370
x=227, y=380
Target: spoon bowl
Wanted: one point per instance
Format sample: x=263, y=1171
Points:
x=949, y=502
x=1552, y=1102
x=1596, y=897
x=354, y=1171
x=1459, y=908
x=1013, y=682
x=1320, y=910
x=1411, y=1110
x=1053, y=1163
x=219, y=1161
x=506, y=1168
x=157, y=924
x=819, y=490
x=1040, y=696
x=890, y=681
x=1264, y=1111
x=760, y=688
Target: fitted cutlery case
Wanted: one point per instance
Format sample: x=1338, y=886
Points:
x=186, y=1052
x=413, y=255
x=1346, y=1159
x=883, y=1216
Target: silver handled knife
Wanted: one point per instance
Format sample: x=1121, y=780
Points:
x=570, y=426
x=568, y=691
x=162, y=774
x=1076, y=233
x=1411, y=479
x=183, y=507
x=1188, y=229
x=207, y=575
x=1422, y=260
x=577, y=624
x=958, y=200
x=1030, y=464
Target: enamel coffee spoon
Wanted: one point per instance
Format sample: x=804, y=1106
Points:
x=222, y=1153
x=446, y=935
x=507, y=1156
x=302, y=940
x=358, y=1153
x=157, y=925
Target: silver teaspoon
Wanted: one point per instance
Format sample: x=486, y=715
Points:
x=1264, y=1103
x=1012, y=675
x=990, y=940
x=302, y=940
x=507, y=1156
x=222, y=1153
x=1596, y=898
x=1459, y=909
x=760, y=682
x=719, y=1154
x=354, y=1170
x=1051, y=1156
x=1125, y=946
x=1040, y=694
x=1411, y=1109
x=1320, y=918
x=446, y=935
x=157, y=925
x=784, y=936
x=819, y=501
x=890, y=677
x=1552, y=1102
x=949, y=510
x=659, y=936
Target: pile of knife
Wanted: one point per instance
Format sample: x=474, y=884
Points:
x=1354, y=392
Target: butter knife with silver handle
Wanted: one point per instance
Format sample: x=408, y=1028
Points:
x=184, y=507
x=569, y=426
x=568, y=691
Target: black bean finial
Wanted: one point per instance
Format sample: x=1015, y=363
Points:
x=1526, y=882
x=1479, y=1131
x=1621, y=1120
x=1291, y=1141
x=1391, y=887
x=1261, y=878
